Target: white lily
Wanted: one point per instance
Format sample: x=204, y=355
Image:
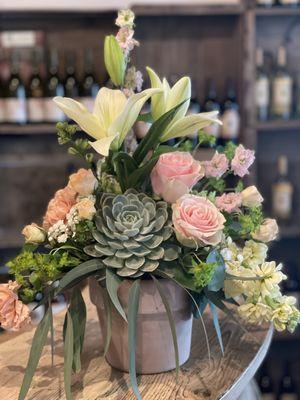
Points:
x=112, y=118
x=181, y=125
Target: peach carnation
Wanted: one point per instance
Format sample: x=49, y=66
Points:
x=86, y=208
x=83, y=182
x=197, y=221
x=13, y=313
x=59, y=206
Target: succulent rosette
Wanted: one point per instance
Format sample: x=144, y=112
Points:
x=131, y=234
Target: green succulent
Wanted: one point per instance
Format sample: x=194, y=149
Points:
x=131, y=234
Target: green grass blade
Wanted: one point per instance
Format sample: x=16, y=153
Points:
x=82, y=271
x=38, y=342
x=216, y=324
x=77, y=311
x=112, y=285
x=107, y=306
x=68, y=354
x=133, y=306
x=171, y=321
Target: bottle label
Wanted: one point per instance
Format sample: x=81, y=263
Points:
x=213, y=130
x=282, y=200
x=15, y=110
x=262, y=92
x=2, y=111
x=52, y=112
x=35, y=110
x=282, y=95
x=265, y=2
x=231, y=124
x=288, y=2
x=88, y=102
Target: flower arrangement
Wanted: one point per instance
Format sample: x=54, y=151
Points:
x=151, y=212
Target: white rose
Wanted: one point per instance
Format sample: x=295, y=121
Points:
x=33, y=234
x=251, y=197
x=267, y=232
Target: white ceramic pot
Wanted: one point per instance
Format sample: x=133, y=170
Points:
x=154, y=348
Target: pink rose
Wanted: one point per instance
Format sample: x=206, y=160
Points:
x=83, y=182
x=229, y=202
x=197, y=221
x=59, y=206
x=13, y=313
x=217, y=166
x=242, y=161
x=174, y=175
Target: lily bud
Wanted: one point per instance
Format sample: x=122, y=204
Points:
x=114, y=60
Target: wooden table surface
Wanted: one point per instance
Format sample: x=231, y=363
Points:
x=200, y=379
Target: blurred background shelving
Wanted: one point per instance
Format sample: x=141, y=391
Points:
x=204, y=41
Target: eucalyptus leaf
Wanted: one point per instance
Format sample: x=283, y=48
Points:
x=112, y=285
x=133, y=306
x=216, y=324
x=68, y=354
x=217, y=281
x=38, y=342
x=171, y=321
x=80, y=272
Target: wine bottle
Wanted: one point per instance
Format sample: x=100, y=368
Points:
x=2, y=91
x=282, y=192
x=282, y=88
x=266, y=386
x=89, y=87
x=265, y=3
x=291, y=285
x=288, y=3
x=262, y=88
x=54, y=87
x=211, y=104
x=287, y=388
x=16, y=97
x=194, y=108
x=35, y=91
x=231, y=116
x=71, y=83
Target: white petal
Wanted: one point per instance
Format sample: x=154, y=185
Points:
x=80, y=114
x=102, y=146
x=108, y=106
x=190, y=124
x=127, y=118
x=158, y=102
x=180, y=92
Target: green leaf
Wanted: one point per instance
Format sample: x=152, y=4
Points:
x=112, y=285
x=217, y=325
x=152, y=139
x=38, y=342
x=133, y=306
x=51, y=330
x=68, y=354
x=141, y=173
x=114, y=60
x=218, y=278
x=124, y=165
x=107, y=306
x=171, y=321
x=147, y=117
x=79, y=273
x=77, y=311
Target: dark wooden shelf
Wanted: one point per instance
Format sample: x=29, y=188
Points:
x=278, y=125
x=177, y=9
x=278, y=11
x=27, y=129
x=290, y=232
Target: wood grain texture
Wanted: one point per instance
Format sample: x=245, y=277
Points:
x=200, y=379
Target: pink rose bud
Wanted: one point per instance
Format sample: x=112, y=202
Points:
x=174, y=175
x=251, y=197
x=197, y=221
x=267, y=232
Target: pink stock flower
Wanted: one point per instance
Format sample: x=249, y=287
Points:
x=83, y=182
x=197, y=221
x=126, y=40
x=229, y=202
x=174, y=175
x=217, y=166
x=242, y=161
x=13, y=313
x=58, y=208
